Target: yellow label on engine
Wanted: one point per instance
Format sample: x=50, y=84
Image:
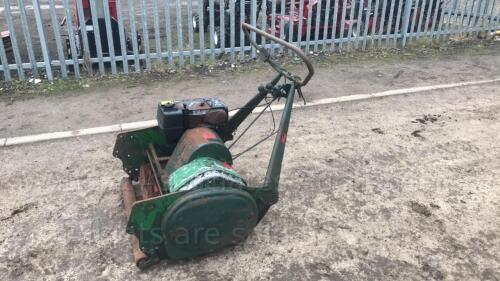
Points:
x=166, y=103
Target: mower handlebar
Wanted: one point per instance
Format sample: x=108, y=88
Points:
x=247, y=28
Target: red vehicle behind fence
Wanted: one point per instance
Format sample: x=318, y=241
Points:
x=420, y=6
x=295, y=21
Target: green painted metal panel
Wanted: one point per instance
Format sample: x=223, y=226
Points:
x=131, y=147
x=204, y=172
x=207, y=220
x=145, y=221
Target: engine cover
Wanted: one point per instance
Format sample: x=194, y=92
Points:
x=174, y=118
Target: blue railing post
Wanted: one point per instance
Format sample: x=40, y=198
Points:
x=406, y=22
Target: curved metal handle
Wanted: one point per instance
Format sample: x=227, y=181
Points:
x=247, y=28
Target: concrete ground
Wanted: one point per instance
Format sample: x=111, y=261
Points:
x=129, y=100
x=396, y=188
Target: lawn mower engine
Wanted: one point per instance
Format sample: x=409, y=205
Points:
x=200, y=158
x=182, y=196
x=192, y=156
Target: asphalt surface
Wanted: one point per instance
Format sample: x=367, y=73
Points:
x=123, y=101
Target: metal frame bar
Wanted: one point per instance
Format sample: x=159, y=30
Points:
x=263, y=11
x=5, y=63
x=190, y=31
x=109, y=36
x=27, y=37
x=309, y=23
x=242, y=36
x=427, y=20
x=211, y=4
x=391, y=16
x=253, y=19
x=358, y=23
x=86, y=48
x=180, y=41
x=342, y=22
x=273, y=23
x=325, y=24
x=133, y=31
x=145, y=34
x=421, y=17
x=398, y=22
x=222, y=24
x=382, y=22
x=13, y=39
x=351, y=18
x=365, y=31
x=201, y=15
x=121, y=32
x=334, y=23
x=156, y=23
x=290, y=26
x=72, y=42
x=57, y=35
x=301, y=16
x=168, y=30
x=282, y=24
x=43, y=42
x=375, y=21
x=97, y=37
x=232, y=23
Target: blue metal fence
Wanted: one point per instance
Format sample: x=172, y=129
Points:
x=52, y=39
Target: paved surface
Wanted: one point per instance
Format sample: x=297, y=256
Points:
x=117, y=103
x=398, y=188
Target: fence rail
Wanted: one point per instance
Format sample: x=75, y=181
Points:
x=51, y=39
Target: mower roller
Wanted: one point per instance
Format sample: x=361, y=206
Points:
x=182, y=196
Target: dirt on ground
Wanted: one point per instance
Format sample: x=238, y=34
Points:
x=395, y=188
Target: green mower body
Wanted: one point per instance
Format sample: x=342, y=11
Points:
x=191, y=201
x=202, y=204
x=182, y=196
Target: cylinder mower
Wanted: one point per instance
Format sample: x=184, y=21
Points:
x=182, y=196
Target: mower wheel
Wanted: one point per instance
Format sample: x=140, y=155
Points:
x=196, y=22
x=68, y=50
x=217, y=38
x=354, y=31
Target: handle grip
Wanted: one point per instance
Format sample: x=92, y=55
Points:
x=247, y=28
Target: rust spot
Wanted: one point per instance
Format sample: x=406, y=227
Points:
x=283, y=138
x=147, y=182
x=208, y=135
x=129, y=199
